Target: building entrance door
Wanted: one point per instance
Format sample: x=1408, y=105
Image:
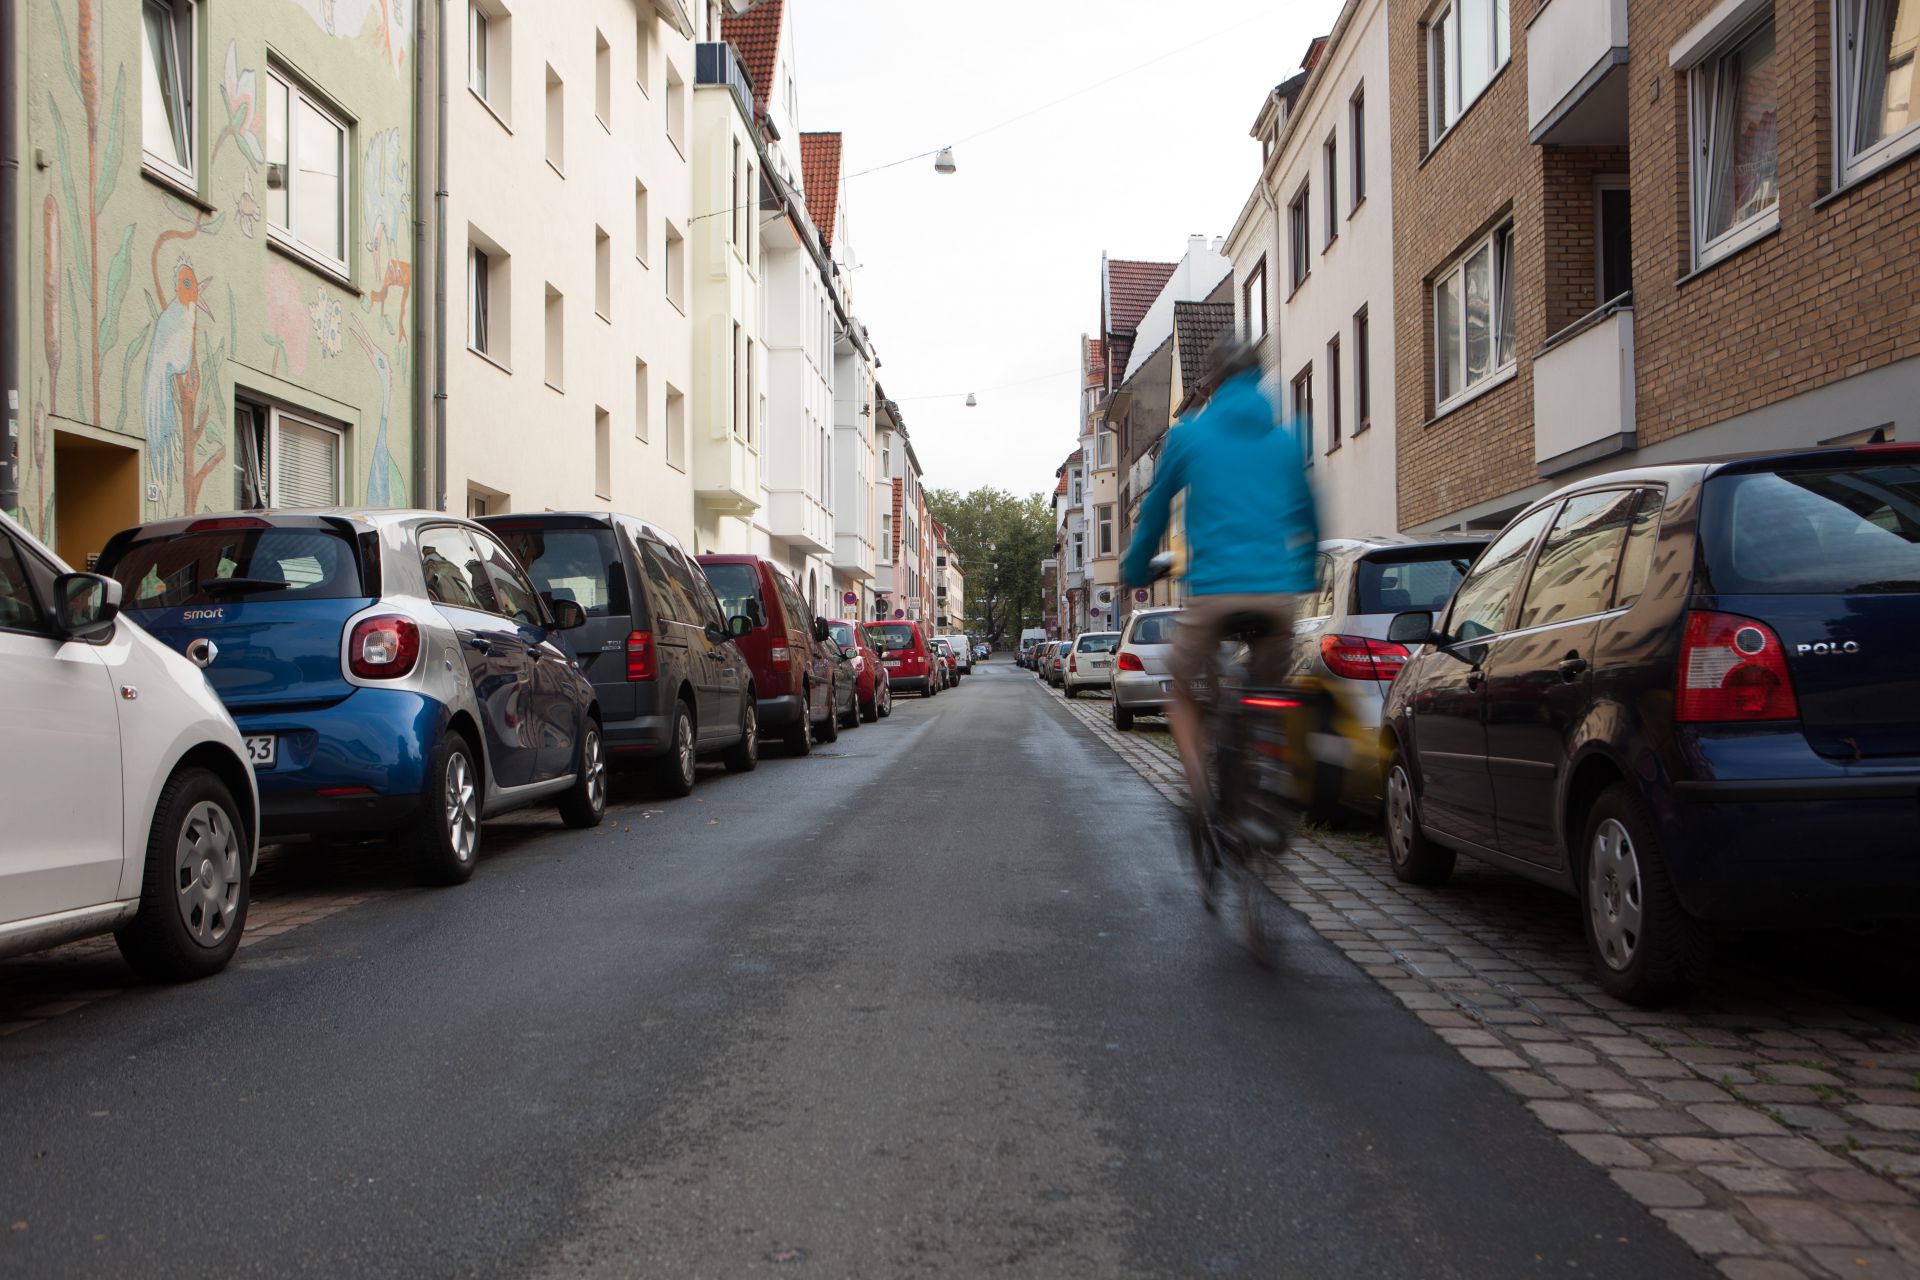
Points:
x=97, y=488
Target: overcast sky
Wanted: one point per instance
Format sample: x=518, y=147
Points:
x=984, y=280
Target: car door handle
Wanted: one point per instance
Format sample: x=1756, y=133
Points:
x=478, y=645
x=1476, y=678
x=1572, y=667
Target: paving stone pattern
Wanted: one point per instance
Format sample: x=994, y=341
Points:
x=1773, y=1126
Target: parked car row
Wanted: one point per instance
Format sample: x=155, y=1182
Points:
x=267, y=675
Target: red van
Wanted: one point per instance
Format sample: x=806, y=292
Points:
x=804, y=693
x=905, y=656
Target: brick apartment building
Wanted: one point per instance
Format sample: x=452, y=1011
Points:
x=1636, y=231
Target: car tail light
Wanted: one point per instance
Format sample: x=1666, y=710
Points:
x=640, y=657
x=1073, y=663
x=383, y=648
x=1362, y=657
x=227, y=522
x=1129, y=661
x=1270, y=704
x=1732, y=668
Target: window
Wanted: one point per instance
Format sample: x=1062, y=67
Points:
x=1103, y=449
x=754, y=399
x=1357, y=149
x=886, y=537
x=513, y=593
x=452, y=569
x=1362, y=374
x=1333, y=395
x=1613, y=237
x=306, y=174
x=1467, y=44
x=1103, y=525
x=1573, y=578
x=676, y=109
x=736, y=232
x=556, y=339
x=602, y=274
x=1845, y=529
x=1298, y=238
x=642, y=225
x=676, y=273
x=1396, y=581
x=1253, y=302
x=676, y=428
x=1077, y=491
x=1736, y=156
x=1330, y=176
x=479, y=29
x=488, y=298
x=749, y=208
x=1079, y=548
x=19, y=611
x=285, y=460
x=1303, y=411
x=490, y=55
x=643, y=48
x=1480, y=605
x=641, y=402
x=1876, y=76
x=603, y=81
x=168, y=76
x=1638, y=557
x=1473, y=319
x=602, y=453
x=739, y=381
x=556, y=121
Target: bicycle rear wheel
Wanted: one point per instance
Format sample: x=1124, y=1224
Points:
x=1260, y=906
x=1203, y=852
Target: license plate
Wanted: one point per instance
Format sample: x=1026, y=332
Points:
x=889, y=662
x=1166, y=686
x=261, y=749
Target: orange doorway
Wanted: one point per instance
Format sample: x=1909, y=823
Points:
x=96, y=495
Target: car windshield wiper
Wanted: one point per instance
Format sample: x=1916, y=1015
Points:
x=241, y=584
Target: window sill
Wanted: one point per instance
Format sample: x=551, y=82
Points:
x=491, y=359
x=175, y=185
x=1298, y=285
x=676, y=304
x=1333, y=449
x=678, y=149
x=644, y=265
x=603, y=315
x=1866, y=172
x=319, y=266
x=556, y=168
x=1361, y=430
x=556, y=388
x=602, y=122
x=1331, y=241
x=499, y=119
x=1760, y=233
x=641, y=85
x=1357, y=206
x=1466, y=398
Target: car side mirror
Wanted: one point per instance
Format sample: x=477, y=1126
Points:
x=739, y=625
x=849, y=653
x=1413, y=627
x=85, y=605
x=821, y=631
x=567, y=614
x=713, y=633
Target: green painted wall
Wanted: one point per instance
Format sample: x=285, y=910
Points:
x=147, y=309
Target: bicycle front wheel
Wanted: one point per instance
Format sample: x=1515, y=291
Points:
x=1203, y=852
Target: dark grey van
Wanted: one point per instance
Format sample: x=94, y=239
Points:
x=671, y=684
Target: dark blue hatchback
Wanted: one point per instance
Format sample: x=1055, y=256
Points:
x=1685, y=694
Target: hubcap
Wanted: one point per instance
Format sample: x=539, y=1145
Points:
x=683, y=731
x=463, y=807
x=207, y=873
x=1614, y=894
x=1400, y=813
x=753, y=733
x=596, y=768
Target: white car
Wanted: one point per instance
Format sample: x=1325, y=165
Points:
x=1089, y=662
x=129, y=804
x=1142, y=678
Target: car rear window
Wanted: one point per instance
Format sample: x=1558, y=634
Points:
x=1813, y=531
x=843, y=636
x=898, y=635
x=738, y=586
x=1405, y=581
x=1155, y=628
x=1098, y=641
x=581, y=565
x=259, y=564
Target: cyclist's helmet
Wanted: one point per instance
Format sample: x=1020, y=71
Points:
x=1231, y=355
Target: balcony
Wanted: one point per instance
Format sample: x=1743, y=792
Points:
x=1583, y=392
x=716, y=63
x=797, y=518
x=1577, y=73
x=726, y=474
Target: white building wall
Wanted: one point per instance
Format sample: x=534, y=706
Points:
x=513, y=441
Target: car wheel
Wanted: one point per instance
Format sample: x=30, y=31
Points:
x=445, y=835
x=194, y=887
x=798, y=736
x=675, y=772
x=744, y=755
x=852, y=717
x=1646, y=948
x=828, y=730
x=585, y=802
x=885, y=698
x=1415, y=858
x=1122, y=718
x=1070, y=690
x=870, y=709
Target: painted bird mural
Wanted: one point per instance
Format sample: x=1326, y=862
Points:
x=173, y=374
x=385, y=485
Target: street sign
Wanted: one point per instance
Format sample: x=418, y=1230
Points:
x=899, y=613
x=1141, y=595
x=849, y=597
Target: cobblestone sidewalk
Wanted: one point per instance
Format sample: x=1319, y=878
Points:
x=1773, y=1125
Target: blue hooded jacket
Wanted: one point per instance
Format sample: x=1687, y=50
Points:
x=1251, y=527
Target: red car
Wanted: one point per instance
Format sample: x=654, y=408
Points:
x=905, y=656
x=806, y=691
x=871, y=688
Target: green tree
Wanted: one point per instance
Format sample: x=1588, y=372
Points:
x=999, y=540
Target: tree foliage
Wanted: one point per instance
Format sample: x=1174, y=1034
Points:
x=1000, y=541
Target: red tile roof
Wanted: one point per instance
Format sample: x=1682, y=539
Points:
x=1129, y=289
x=1096, y=371
x=755, y=36
x=820, y=176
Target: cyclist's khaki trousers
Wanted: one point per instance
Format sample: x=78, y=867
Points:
x=1208, y=620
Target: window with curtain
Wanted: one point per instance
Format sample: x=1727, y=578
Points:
x=1736, y=155
x=1876, y=75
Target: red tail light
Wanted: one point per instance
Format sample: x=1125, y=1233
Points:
x=781, y=656
x=383, y=648
x=1270, y=704
x=640, y=659
x=1732, y=668
x=222, y=523
x=1362, y=657
x=1130, y=662
x=1073, y=663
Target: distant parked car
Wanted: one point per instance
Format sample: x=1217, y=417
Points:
x=1142, y=674
x=962, y=653
x=1684, y=694
x=1089, y=662
x=872, y=690
x=390, y=671
x=670, y=682
x=949, y=649
x=130, y=807
x=798, y=673
x=1056, y=663
x=1340, y=630
x=909, y=663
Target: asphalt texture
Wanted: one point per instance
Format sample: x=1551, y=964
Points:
x=939, y=999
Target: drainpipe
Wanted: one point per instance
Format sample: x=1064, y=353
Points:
x=10, y=256
x=440, y=269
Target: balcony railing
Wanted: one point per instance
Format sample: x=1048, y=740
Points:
x=1583, y=391
x=716, y=63
x=1577, y=73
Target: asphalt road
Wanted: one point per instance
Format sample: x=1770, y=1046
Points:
x=938, y=1000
